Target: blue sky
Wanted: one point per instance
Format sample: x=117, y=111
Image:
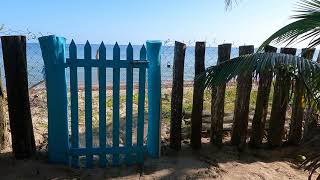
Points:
x=250, y=22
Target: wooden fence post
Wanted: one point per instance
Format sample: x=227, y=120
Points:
x=177, y=95
x=309, y=116
x=261, y=110
x=242, y=102
x=197, y=105
x=224, y=52
x=53, y=53
x=154, y=98
x=15, y=65
x=279, y=104
x=295, y=132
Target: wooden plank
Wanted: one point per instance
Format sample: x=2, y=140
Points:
x=53, y=53
x=108, y=63
x=242, y=102
x=74, y=102
x=129, y=103
x=88, y=103
x=297, y=117
x=108, y=150
x=116, y=104
x=261, y=110
x=15, y=65
x=198, y=91
x=224, y=51
x=279, y=104
x=102, y=105
x=141, y=106
x=177, y=95
x=154, y=98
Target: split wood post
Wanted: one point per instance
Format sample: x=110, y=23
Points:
x=242, y=102
x=197, y=105
x=224, y=52
x=309, y=116
x=154, y=98
x=295, y=132
x=261, y=110
x=54, y=56
x=15, y=65
x=177, y=95
x=279, y=104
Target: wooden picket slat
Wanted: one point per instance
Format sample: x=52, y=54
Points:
x=242, y=102
x=141, y=104
x=74, y=102
x=129, y=94
x=88, y=103
x=224, y=53
x=116, y=104
x=280, y=102
x=261, y=109
x=198, y=92
x=102, y=105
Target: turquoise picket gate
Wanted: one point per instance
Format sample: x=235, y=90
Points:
x=63, y=146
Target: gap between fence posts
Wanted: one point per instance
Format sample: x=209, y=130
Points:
x=261, y=110
x=279, y=103
x=154, y=98
x=242, y=102
x=177, y=95
x=15, y=65
x=198, y=91
x=53, y=53
x=217, y=111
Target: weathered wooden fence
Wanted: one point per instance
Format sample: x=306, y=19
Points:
x=53, y=52
x=274, y=128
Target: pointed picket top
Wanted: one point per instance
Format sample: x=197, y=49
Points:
x=72, y=51
x=102, y=51
x=87, y=50
x=143, y=53
x=116, y=52
x=129, y=52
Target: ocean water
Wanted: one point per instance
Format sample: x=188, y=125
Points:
x=35, y=63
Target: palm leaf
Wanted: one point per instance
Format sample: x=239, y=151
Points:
x=306, y=26
x=297, y=67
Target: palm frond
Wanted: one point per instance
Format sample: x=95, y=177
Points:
x=297, y=67
x=229, y=3
x=306, y=26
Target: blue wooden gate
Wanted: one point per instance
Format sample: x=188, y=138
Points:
x=63, y=146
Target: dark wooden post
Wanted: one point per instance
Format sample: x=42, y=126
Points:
x=295, y=132
x=224, y=52
x=3, y=123
x=197, y=105
x=177, y=95
x=261, y=110
x=241, y=110
x=279, y=104
x=15, y=65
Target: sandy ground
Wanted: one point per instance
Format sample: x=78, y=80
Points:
x=208, y=163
